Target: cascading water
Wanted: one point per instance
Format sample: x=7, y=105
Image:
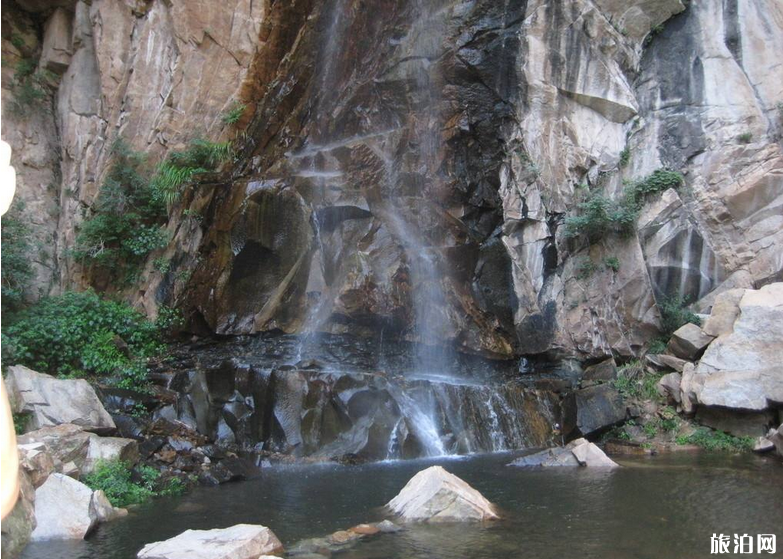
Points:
x=420, y=406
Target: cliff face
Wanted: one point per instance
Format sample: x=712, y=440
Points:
x=407, y=166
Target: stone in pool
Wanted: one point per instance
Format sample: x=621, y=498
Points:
x=435, y=495
x=242, y=541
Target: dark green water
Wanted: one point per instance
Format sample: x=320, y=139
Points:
x=653, y=508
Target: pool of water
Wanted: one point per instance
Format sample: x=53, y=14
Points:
x=664, y=507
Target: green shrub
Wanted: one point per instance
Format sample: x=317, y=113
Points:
x=20, y=422
x=745, y=138
x=657, y=346
x=29, y=87
x=613, y=263
x=674, y=314
x=124, y=225
x=125, y=486
x=634, y=381
x=181, y=167
x=585, y=269
x=600, y=216
x=79, y=334
x=234, y=113
x=717, y=441
x=625, y=157
x=16, y=256
x=115, y=479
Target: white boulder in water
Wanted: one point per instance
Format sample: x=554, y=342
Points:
x=243, y=541
x=435, y=495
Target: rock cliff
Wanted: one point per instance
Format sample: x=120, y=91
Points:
x=407, y=168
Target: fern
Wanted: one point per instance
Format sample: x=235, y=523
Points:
x=181, y=167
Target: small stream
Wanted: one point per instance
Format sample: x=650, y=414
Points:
x=661, y=507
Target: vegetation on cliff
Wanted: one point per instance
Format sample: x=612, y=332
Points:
x=125, y=224
x=600, y=216
x=17, y=270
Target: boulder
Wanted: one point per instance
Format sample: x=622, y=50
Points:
x=20, y=522
x=669, y=386
x=110, y=448
x=68, y=509
x=739, y=423
x=579, y=452
x=689, y=342
x=589, y=455
x=559, y=456
x=724, y=312
x=741, y=369
x=435, y=495
x=604, y=371
x=776, y=436
x=51, y=401
x=66, y=444
x=666, y=362
x=242, y=541
x=36, y=461
x=592, y=409
x=762, y=445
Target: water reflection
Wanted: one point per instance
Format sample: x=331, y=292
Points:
x=665, y=507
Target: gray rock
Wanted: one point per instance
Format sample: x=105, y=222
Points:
x=109, y=449
x=242, y=541
x=67, y=444
x=669, y=386
x=579, y=452
x=589, y=455
x=742, y=369
x=724, y=312
x=739, y=423
x=50, y=401
x=36, y=461
x=68, y=509
x=551, y=457
x=435, y=495
x=762, y=445
x=604, y=371
x=666, y=362
x=592, y=409
x=776, y=436
x=689, y=342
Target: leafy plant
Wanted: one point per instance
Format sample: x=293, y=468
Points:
x=161, y=264
x=745, y=138
x=675, y=314
x=16, y=256
x=613, y=263
x=123, y=227
x=28, y=87
x=78, y=334
x=585, y=269
x=234, y=113
x=115, y=479
x=20, y=422
x=657, y=346
x=181, y=167
x=717, y=441
x=625, y=157
x=600, y=216
x=634, y=381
